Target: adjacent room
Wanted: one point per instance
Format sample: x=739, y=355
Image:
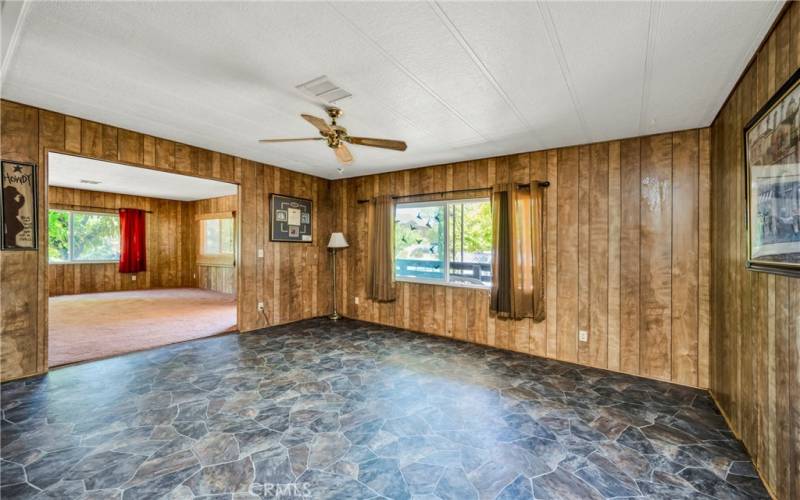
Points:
x=400, y=250
x=137, y=258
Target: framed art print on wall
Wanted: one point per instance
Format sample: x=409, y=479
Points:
x=290, y=219
x=772, y=179
x=19, y=206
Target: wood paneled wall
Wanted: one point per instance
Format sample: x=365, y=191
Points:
x=755, y=342
x=291, y=279
x=170, y=245
x=219, y=278
x=627, y=256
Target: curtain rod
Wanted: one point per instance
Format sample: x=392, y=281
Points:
x=84, y=208
x=435, y=193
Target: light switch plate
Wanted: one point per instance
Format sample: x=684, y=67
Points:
x=133, y=277
x=260, y=253
x=583, y=336
x=356, y=300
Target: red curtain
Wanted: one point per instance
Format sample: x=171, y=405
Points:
x=133, y=250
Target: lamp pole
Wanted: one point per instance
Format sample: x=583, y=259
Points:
x=335, y=316
x=336, y=242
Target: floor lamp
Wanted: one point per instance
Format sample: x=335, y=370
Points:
x=336, y=242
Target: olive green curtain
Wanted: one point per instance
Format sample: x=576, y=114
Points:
x=518, y=283
x=380, y=262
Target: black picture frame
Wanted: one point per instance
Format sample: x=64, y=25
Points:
x=19, y=205
x=282, y=210
x=791, y=268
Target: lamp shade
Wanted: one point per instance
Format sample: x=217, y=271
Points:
x=337, y=241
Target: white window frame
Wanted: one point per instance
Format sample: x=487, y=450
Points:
x=446, y=280
x=70, y=260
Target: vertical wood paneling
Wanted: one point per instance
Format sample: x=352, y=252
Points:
x=19, y=345
x=109, y=143
x=552, y=254
x=794, y=383
x=567, y=273
x=598, y=287
x=584, y=220
x=52, y=134
x=614, y=223
x=72, y=134
x=704, y=259
x=685, y=258
x=91, y=139
x=630, y=182
x=754, y=339
x=130, y=146
x=656, y=255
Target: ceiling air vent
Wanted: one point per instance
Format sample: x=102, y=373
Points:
x=87, y=181
x=323, y=88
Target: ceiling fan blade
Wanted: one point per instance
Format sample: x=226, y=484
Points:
x=343, y=154
x=377, y=143
x=318, y=122
x=293, y=140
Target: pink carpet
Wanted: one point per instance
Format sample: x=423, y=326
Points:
x=98, y=325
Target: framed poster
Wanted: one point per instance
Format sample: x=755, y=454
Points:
x=290, y=219
x=19, y=206
x=772, y=162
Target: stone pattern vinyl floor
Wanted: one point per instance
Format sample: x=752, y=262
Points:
x=351, y=410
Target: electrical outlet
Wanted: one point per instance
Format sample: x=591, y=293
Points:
x=133, y=277
x=260, y=253
x=260, y=306
x=583, y=336
x=356, y=300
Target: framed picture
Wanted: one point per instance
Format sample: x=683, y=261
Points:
x=290, y=219
x=19, y=206
x=772, y=162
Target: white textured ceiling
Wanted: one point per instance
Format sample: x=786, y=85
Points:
x=71, y=171
x=455, y=80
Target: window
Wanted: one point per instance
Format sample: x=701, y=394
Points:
x=444, y=242
x=82, y=236
x=217, y=236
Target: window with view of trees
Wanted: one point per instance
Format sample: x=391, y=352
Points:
x=82, y=236
x=447, y=242
x=217, y=240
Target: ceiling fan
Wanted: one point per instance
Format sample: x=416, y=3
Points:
x=337, y=136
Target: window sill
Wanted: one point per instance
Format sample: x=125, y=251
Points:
x=216, y=260
x=422, y=281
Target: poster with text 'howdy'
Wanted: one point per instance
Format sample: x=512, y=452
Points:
x=19, y=208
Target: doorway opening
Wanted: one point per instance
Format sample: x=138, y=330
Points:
x=137, y=258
